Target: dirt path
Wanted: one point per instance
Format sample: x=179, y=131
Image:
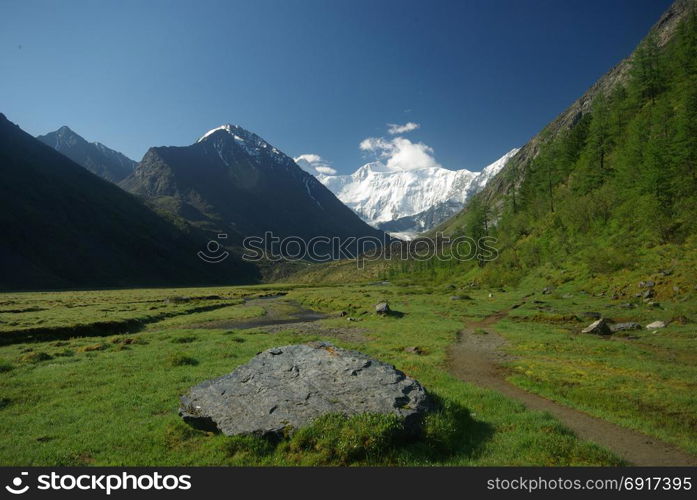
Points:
x=477, y=358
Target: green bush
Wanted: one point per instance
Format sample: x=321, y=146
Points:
x=181, y=359
x=36, y=357
x=187, y=339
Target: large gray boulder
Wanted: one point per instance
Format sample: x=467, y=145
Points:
x=288, y=387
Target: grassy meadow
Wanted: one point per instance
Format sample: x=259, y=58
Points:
x=93, y=378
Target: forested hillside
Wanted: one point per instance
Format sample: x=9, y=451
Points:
x=614, y=191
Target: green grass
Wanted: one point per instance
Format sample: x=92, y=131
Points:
x=641, y=379
x=112, y=399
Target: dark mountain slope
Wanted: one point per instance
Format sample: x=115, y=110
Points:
x=94, y=156
x=63, y=226
x=233, y=181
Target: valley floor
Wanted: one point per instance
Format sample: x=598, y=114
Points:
x=94, y=378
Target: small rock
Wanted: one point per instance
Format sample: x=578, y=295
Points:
x=567, y=296
x=627, y=305
x=547, y=290
x=655, y=325
x=600, y=327
x=343, y=314
x=665, y=272
x=649, y=293
x=491, y=295
x=620, y=327
x=647, y=284
x=382, y=308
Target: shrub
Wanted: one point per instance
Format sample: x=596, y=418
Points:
x=181, y=359
x=93, y=347
x=183, y=340
x=35, y=357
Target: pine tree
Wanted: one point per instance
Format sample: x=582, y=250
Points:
x=686, y=141
x=648, y=73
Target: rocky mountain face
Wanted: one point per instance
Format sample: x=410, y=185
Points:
x=94, y=156
x=233, y=181
x=407, y=202
x=64, y=227
x=511, y=177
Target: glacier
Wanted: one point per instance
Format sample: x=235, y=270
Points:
x=407, y=202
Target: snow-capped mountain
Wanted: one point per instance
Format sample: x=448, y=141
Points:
x=406, y=202
x=232, y=181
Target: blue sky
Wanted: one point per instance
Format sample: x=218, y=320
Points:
x=319, y=77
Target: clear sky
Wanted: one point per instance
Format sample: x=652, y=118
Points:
x=311, y=76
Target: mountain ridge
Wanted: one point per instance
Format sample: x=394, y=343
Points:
x=94, y=156
x=65, y=227
x=232, y=180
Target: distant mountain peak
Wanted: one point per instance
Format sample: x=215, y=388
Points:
x=94, y=156
x=228, y=127
x=411, y=200
x=231, y=180
x=249, y=141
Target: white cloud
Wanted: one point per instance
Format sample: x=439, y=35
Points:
x=314, y=164
x=394, y=128
x=399, y=153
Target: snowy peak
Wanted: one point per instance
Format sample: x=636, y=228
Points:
x=419, y=198
x=250, y=142
x=229, y=128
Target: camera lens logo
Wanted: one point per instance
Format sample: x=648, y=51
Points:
x=213, y=254
x=16, y=488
